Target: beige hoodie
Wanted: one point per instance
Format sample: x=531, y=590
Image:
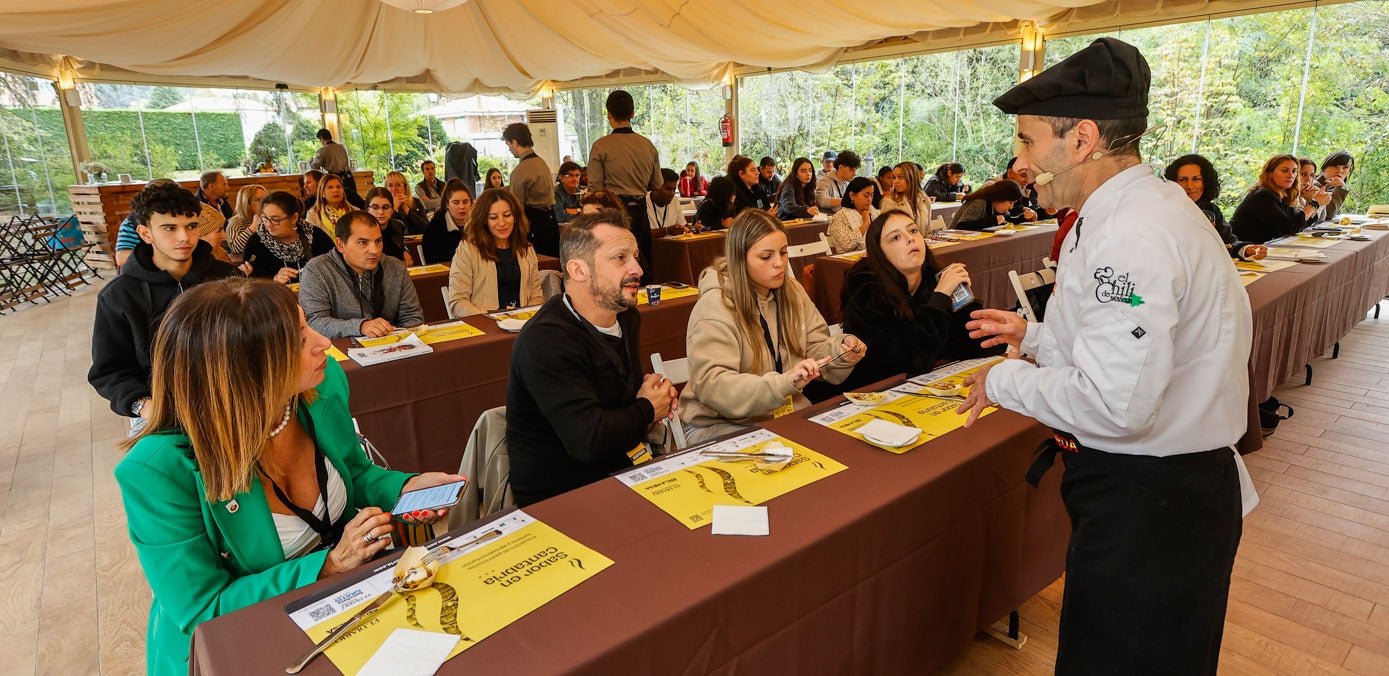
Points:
x=722, y=388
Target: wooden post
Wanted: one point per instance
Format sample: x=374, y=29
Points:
x=70, y=104
x=1031, y=60
x=328, y=112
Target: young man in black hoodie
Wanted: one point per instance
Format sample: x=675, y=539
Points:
x=169, y=260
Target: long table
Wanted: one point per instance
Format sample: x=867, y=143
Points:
x=419, y=411
x=432, y=301
x=889, y=567
x=1302, y=311
x=682, y=258
x=988, y=261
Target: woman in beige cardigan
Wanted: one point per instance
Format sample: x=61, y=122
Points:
x=754, y=339
x=495, y=267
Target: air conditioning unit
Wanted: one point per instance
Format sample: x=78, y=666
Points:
x=544, y=126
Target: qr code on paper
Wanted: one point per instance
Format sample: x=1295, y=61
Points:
x=322, y=612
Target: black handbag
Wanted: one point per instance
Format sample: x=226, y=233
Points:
x=1270, y=414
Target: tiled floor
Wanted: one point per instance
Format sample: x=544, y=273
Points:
x=1311, y=590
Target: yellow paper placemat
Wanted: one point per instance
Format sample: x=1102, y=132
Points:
x=436, y=334
x=852, y=256
x=701, y=235
x=474, y=595
x=337, y=354
x=1305, y=240
x=939, y=245
x=426, y=269
x=1264, y=266
x=521, y=314
x=1247, y=278
x=668, y=293
x=687, y=486
x=934, y=417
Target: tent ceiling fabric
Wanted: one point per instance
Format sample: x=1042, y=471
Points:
x=478, y=46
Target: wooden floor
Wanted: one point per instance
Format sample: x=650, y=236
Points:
x=1311, y=589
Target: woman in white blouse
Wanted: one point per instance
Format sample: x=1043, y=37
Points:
x=848, y=224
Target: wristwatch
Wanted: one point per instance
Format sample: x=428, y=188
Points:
x=137, y=406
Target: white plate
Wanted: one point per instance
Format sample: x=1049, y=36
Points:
x=511, y=325
x=880, y=442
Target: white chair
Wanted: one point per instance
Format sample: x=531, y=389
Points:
x=1033, y=291
x=444, y=291
x=677, y=371
x=824, y=239
x=937, y=223
x=419, y=255
x=819, y=248
x=1048, y=263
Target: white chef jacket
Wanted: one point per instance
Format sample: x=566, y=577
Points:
x=664, y=217
x=1145, y=349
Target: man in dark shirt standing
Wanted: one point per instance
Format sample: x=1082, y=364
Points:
x=628, y=165
x=212, y=190
x=577, y=405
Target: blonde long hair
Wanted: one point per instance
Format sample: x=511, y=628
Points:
x=320, y=205
x=748, y=227
x=1287, y=197
x=912, y=175
x=409, y=199
x=226, y=361
x=243, y=201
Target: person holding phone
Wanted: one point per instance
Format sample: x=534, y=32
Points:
x=249, y=480
x=282, y=243
x=1335, y=172
x=897, y=300
x=755, y=341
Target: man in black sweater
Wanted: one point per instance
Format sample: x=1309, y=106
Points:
x=577, y=405
x=168, y=261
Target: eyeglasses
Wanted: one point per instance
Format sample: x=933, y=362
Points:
x=380, y=207
x=275, y=220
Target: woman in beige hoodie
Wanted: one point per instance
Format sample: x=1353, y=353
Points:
x=747, y=304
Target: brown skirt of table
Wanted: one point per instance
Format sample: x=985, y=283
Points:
x=889, y=567
x=676, y=259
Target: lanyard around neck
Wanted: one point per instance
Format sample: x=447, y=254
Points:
x=771, y=344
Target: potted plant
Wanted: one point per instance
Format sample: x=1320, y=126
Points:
x=96, y=171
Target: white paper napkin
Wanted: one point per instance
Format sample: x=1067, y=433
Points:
x=733, y=520
x=409, y=652
x=889, y=433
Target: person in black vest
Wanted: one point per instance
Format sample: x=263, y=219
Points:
x=534, y=186
x=450, y=222
x=746, y=181
x=1197, y=177
x=577, y=405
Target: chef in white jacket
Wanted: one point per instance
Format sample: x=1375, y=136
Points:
x=1140, y=369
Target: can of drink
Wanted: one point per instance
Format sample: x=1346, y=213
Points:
x=653, y=294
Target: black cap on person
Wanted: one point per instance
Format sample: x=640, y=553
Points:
x=1107, y=80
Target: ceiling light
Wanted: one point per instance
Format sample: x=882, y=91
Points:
x=424, y=6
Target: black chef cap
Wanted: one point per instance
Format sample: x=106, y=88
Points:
x=1107, y=80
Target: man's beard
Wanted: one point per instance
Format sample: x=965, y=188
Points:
x=613, y=298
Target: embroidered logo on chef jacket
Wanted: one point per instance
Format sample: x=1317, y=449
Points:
x=1115, y=289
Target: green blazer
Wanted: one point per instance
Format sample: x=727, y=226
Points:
x=206, y=559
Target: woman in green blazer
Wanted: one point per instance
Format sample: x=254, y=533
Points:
x=249, y=443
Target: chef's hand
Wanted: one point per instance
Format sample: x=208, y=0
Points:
x=978, y=398
x=997, y=327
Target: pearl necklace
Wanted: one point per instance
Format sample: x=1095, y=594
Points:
x=283, y=421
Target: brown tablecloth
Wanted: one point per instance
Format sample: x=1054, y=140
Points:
x=679, y=259
x=889, y=567
x=419, y=411
x=432, y=300
x=988, y=262
x=1302, y=311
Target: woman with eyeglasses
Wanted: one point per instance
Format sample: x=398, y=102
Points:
x=754, y=340
x=282, y=242
x=381, y=206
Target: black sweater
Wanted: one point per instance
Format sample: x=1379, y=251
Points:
x=975, y=215
x=1232, y=244
x=710, y=215
x=942, y=191
x=128, y=312
x=572, y=414
x=439, y=243
x=749, y=197
x=897, y=344
x=1262, y=217
x=265, y=264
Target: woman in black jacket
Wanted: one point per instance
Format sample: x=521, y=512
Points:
x=988, y=206
x=797, y=198
x=897, y=300
x=716, y=211
x=446, y=229
x=947, y=185
x=747, y=185
x=1195, y=175
x=1270, y=209
x=282, y=242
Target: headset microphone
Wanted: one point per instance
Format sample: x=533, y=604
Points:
x=1048, y=176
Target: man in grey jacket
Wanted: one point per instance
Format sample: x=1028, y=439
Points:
x=355, y=290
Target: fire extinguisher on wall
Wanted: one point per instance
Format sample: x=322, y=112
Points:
x=726, y=131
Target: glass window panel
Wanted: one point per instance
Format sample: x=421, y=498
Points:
x=35, y=166
x=682, y=123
